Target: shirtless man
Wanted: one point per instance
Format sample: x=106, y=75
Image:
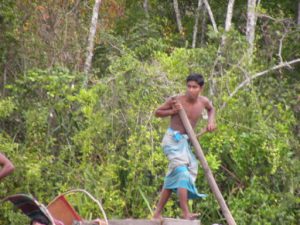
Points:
x=183, y=166
x=7, y=166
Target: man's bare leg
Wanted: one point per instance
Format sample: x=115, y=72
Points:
x=183, y=200
x=164, y=197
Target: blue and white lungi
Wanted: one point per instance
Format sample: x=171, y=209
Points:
x=183, y=166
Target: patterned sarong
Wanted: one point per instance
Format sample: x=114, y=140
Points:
x=183, y=166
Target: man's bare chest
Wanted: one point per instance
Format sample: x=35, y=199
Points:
x=193, y=111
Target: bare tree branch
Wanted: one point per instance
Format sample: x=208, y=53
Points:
x=248, y=80
x=88, y=61
x=234, y=176
x=196, y=23
x=261, y=15
x=280, y=47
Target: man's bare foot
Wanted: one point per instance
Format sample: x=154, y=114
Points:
x=191, y=216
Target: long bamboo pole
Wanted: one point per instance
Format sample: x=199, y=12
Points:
x=208, y=174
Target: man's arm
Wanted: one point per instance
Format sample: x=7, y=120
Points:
x=169, y=108
x=7, y=166
x=211, y=125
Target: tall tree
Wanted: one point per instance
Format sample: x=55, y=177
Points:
x=211, y=15
x=229, y=15
x=178, y=17
x=203, y=26
x=228, y=20
x=251, y=23
x=146, y=8
x=90, y=48
x=298, y=18
x=195, y=30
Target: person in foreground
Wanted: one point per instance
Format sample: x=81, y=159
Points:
x=183, y=166
x=7, y=166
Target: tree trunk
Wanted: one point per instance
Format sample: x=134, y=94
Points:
x=229, y=15
x=146, y=8
x=195, y=32
x=203, y=26
x=90, y=48
x=208, y=174
x=211, y=16
x=251, y=23
x=178, y=17
x=4, y=79
x=227, y=22
x=298, y=18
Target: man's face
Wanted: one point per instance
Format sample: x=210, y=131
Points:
x=193, y=90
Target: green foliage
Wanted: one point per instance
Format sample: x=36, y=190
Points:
x=7, y=106
x=104, y=137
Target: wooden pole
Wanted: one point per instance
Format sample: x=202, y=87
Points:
x=208, y=174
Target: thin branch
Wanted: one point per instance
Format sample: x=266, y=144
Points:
x=248, y=80
x=280, y=47
x=286, y=64
x=240, y=183
x=74, y=7
x=245, y=72
x=261, y=15
x=212, y=88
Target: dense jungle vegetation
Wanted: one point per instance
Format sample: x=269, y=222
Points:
x=67, y=123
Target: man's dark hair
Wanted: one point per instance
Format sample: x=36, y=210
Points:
x=196, y=77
